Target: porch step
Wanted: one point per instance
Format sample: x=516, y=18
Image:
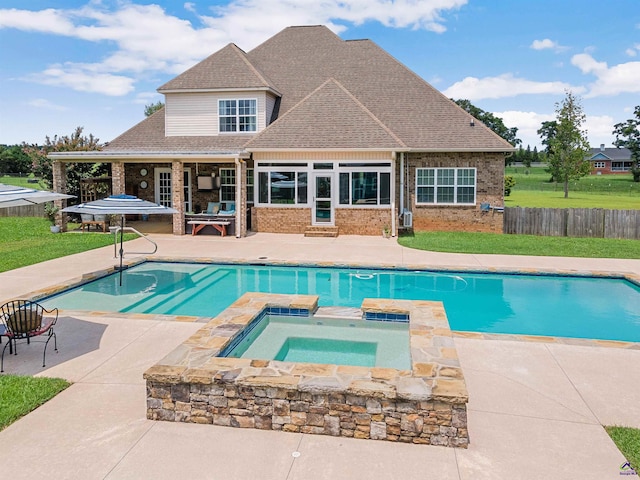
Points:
x=321, y=231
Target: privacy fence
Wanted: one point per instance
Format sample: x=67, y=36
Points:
x=26, y=211
x=573, y=222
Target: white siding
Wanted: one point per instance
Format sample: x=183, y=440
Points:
x=196, y=114
x=271, y=103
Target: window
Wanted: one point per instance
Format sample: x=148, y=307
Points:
x=446, y=186
x=237, y=115
x=227, y=184
x=621, y=166
x=598, y=164
x=365, y=188
x=282, y=187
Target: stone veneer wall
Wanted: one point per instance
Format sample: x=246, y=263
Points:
x=426, y=405
x=489, y=189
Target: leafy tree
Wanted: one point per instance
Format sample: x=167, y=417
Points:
x=569, y=147
x=152, y=108
x=490, y=120
x=547, y=132
x=13, y=160
x=628, y=135
x=509, y=183
x=42, y=165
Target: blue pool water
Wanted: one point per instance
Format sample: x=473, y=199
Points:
x=581, y=307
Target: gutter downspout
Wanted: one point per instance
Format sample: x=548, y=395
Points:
x=393, y=194
x=402, y=183
x=239, y=186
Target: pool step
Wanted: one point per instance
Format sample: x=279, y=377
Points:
x=321, y=231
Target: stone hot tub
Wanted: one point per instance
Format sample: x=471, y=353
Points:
x=425, y=405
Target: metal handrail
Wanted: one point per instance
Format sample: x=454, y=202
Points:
x=117, y=229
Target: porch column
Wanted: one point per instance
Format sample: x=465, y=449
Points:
x=241, y=198
x=117, y=178
x=177, y=196
x=60, y=186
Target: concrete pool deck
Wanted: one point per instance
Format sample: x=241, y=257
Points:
x=535, y=409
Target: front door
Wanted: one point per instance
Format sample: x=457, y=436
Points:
x=322, y=199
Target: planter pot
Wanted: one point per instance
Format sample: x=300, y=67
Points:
x=55, y=228
x=386, y=234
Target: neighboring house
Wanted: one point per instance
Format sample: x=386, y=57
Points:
x=610, y=160
x=308, y=130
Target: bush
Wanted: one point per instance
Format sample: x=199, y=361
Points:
x=509, y=183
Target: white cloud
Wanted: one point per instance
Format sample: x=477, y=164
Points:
x=505, y=85
x=633, y=51
x=43, y=103
x=547, y=44
x=621, y=78
x=599, y=128
x=528, y=124
x=84, y=80
x=145, y=98
x=148, y=39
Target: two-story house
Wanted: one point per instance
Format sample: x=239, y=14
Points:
x=308, y=130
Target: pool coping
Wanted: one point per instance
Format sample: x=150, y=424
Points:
x=95, y=275
x=434, y=387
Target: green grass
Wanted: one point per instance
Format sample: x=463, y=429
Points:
x=536, y=178
x=465, y=242
x=628, y=442
x=28, y=240
x=19, y=395
x=19, y=181
x=550, y=199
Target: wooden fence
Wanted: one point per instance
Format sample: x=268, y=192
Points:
x=26, y=211
x=573, y=222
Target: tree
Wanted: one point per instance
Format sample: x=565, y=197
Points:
x=42, y=165
x=628, y=135
x=569, y=147
x=14, y=160
x=547, y=132
x=152, y=108
x=527, y=158
x=490, y=120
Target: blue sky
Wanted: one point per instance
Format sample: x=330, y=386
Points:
x=97, y=63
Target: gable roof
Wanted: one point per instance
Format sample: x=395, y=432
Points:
x=226, y=69
x=610, y=154
x=305, y=125
x=306, y=66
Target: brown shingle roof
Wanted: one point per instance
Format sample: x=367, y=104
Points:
x=228, y=68
x=394, y=106
x=317, y=122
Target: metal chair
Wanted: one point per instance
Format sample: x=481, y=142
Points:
x=26, y=320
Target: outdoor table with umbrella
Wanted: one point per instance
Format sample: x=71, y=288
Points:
x=13, y=196
x=122, y=205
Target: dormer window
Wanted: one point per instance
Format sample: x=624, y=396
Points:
x=237, y=115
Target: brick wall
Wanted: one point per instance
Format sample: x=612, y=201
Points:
x=280, y=220
x=489, y=189
x=362, y=221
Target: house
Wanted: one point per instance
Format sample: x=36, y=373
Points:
x=610, y=160
x=309, y=131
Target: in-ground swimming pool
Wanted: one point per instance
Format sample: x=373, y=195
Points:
x=563, y=306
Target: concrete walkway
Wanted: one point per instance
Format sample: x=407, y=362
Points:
x=535, y=409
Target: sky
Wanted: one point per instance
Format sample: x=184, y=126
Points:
x=97, y=63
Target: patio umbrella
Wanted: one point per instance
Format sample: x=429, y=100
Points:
x=12, y=196
x=121, y=205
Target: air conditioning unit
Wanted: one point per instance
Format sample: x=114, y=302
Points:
x=407, y=219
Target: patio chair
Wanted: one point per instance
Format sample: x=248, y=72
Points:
x=212, y=208
x=25, y=320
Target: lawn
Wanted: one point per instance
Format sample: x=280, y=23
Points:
x=492, y=243
x=628, y=442
x=28, y=240
x=20, y=181
x=19, y=395
x=551, y=199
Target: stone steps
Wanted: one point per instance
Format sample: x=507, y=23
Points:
x=321, y=231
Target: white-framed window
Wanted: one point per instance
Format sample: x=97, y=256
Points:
x=281, y=183
x=621, y=166
x=238, y=115
x=447, y=186
x=364, y=184
x=227, y=184
x=164, y=189
x=249, y=185
x=598, y=164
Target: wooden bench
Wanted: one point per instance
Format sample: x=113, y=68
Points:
x=219, y=225
x=88, y=223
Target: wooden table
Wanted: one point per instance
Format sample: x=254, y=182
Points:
x=220, y=225
x=88, y=223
